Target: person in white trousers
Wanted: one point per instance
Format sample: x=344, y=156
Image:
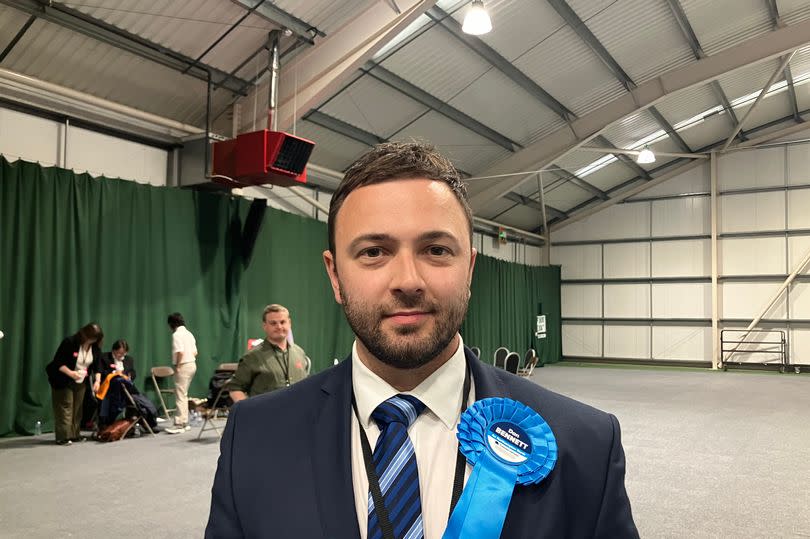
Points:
x=184, y=359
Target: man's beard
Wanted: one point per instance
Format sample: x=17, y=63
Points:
x=401, y=351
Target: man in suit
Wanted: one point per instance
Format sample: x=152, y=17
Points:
x=298, y=462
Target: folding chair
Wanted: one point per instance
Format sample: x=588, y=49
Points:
x=500, y=357
x=212, y=414
x=529, y=362
x=163, y=373
x=477, y=351
x=138, y=415
x=512, y=362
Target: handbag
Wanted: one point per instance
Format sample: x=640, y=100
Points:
x=117, y=430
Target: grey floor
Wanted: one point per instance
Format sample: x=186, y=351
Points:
x=723, y=455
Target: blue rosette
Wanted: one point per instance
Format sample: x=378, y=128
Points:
x=472, y=435
x=508, y=444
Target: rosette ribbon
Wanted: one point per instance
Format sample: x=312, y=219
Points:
x=507, y=444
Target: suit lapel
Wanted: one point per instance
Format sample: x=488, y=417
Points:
x=332, y=456
x=487, y=383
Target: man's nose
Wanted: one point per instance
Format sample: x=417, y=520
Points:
x=406, y=276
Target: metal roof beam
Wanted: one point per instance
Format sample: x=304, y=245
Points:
x=579, y=182
x=94, y=28
x=776, y=20
x=339, y=126
x=689, y=34
x=782, y=65
x=500, y=63
x=627, y=161
x=551, y=147
x=581, y=29
x=419, y=95
x=278, y=16
x=671, y=132
x=308, y=79
x=532, y=203
x=575, y=215
x=17, y=37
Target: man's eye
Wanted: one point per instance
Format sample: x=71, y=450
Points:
x=371, y=252
x=438, y=250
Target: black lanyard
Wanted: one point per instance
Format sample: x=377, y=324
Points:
x=374, y=481
x=285, y=365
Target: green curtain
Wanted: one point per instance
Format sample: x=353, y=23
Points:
x=506, y=299
x=75, y=249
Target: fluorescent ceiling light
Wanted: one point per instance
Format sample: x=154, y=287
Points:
x=476, y=21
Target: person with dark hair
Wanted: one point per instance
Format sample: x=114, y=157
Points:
x=400, y=262
x=274, y=364
x=184, y=360
x=118, y=360
x=77, y=359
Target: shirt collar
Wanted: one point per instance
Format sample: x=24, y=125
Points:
x=440, y=392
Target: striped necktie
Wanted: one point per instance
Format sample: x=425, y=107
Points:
x=395, y=463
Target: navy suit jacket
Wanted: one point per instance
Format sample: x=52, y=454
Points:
x=284, y=469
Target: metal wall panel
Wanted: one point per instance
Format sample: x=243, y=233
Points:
x=753, y=168
x=30, y=138
x=800, y=301
x=682, y=342
x=580, y=340
x=798, y=164
x=799, y=209
x=11, y=22
x=695, y=180
x=103, y=155
x=686, y=258
x=581, y=300
x=752, y=256
x=681, y=300
x=627, y=342
x=616, y=222
x=681, y=217
x=578, y=261
x=752, y=212
x=627, y=260
x=627, y=300
x=800, y=345
x=746, y=300
x=798, y=247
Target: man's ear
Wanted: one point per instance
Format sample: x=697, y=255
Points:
x=331, y=271
x=473, y=255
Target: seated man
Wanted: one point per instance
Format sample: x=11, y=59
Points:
x=118, y=360
x=273, y=364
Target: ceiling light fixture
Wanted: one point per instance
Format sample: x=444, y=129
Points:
x=477, y=21
x=645, y=156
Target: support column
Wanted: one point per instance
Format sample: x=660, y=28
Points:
x=715, y=289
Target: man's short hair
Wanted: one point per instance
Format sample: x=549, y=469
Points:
x=119, y=344
x=398, y=161
x=176, y=320
x=274, y=308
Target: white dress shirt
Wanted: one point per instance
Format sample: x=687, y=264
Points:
x=433, y=435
